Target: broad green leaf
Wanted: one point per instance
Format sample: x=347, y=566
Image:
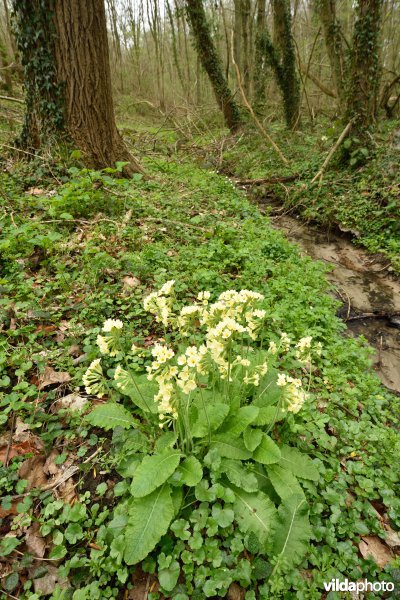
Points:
x=209, y=418
x=191, y=471
x=110, y=415
x=268, y=393
x=166, y=440
x=153, y=471
x=252, y=438
x=284, y=482
x=267, y=452
x=139, y=389
x=235, y=424
x=149, y=519
x=239, y=475
x=268, y=415
x=254, y=513
x=291, y=534
x=230, y=446
x=299, y=464
x=177, y=497
x=135, y=441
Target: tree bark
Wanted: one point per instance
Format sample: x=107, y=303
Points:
x=334, y=46
x=284, y=44
x=82, y=59
x=211, y=63
x=365, y=70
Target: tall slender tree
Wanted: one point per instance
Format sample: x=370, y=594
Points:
x=334, y=46
x=64, y=50
x=212, y=63
x=365, y=69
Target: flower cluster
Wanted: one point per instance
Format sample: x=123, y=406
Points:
x=159, y=303
x=226, y=330
x=294, y=393
x=93, y=379
x=108, y=344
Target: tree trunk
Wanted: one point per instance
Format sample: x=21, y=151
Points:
x=64, y=50
x=83, y=66
x=211, y=62
x=365, y=70
x=284, y=44
x=259, y=61
x=334, y=46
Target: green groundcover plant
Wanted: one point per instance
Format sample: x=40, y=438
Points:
x=199, y=445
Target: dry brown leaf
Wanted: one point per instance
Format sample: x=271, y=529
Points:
x=131, y=281
x=22, y=431
x=45, y=585
x=35, y=191
x=372, y=546
x=392, y=537
x=72, y=401
x=66, y=492
x=35, y=542
x=50, y=467
x=235, y=592
x=32, y=470
x=28, y=446
x=50, y=376
x=6, y=512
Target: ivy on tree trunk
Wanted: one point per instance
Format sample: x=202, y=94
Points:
x=211, y=62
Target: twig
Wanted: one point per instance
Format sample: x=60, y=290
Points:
x=271, y=180
x=12, y=99
x=381, y=315
x=332, y=151
x=252, y=113
x=23, y=151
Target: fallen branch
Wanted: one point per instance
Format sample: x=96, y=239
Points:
x=316, y=81
x=12, y=99
x=372, y=315
x=253, y=115
x=270, y=180
x=332, y=152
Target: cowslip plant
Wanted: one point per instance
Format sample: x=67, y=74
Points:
x=200, y=428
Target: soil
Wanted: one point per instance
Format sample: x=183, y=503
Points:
x=370, y=294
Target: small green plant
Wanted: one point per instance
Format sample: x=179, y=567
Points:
x=200, y=429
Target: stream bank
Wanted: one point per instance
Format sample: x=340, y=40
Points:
x=370, y=296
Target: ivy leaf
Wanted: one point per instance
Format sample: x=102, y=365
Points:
x=111, y=415
x=267, y=452
x=191, y=471
x=299, y=464
x=242, y=418
x=153, y=471
x=254, y=513
x=149, y=519
x=284, y=482
x=252, y=438
x=230, y=446
x=239, y=475
x=291, y=534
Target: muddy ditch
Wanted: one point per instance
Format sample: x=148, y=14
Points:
x=370, y=295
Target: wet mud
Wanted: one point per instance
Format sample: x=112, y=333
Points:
x=370, y=295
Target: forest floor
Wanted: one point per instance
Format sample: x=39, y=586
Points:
x=79, y=247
